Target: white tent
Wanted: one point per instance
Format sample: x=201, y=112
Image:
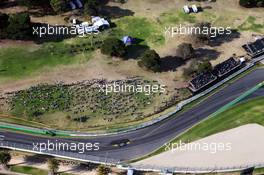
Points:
x=101, y=23
x=73, y=6
x=186, y=9
x=78, y=3
x=194, y=9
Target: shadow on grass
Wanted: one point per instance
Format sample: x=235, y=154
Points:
x=225, y=38
x=171, y=63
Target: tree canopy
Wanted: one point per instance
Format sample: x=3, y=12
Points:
x=185, y=51
x=150, y=60
x=5, y=158
x=53, y=165
x=251, y=3
x=113, y=47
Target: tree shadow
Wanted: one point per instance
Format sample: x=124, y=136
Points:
x=115, y=12
x=82, y=167
x=202, y=53
x=40, y=11
x=7, y=4
x=221, y=39
x=171, y=63
x=33, y=159
x=136, y=50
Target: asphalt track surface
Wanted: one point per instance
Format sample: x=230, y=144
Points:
x=148, y=139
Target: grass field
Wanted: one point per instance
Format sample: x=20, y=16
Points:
x=31, y=170
x=251, y=25
x=19, y=62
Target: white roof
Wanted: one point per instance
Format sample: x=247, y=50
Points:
x=194, y=8
x=95, y=18
x=186, y=9
x=101, y=22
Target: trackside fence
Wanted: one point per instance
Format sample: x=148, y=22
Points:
x=194, y=170
x=60, y=153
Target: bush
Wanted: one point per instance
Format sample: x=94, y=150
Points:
x=185, y=51
x=204, y=66
x=202, y=37
x=19, y=26
x=91, y=7
x=150, y=60
x=58, y=5
x=113, y=47
x=102, y=170
x=3, y=20
x=251, y=3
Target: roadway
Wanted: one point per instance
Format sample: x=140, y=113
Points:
x=150, y=138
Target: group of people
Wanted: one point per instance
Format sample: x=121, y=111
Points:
x=219, y=71
x=226, y=66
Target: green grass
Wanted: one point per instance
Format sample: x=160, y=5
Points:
x=172, y=18
x=141, y=28
x=251, y=25
x=19, y=62
x=259, y=171
x=28, y=170
x=31, y=170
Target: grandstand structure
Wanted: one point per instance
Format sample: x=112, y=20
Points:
x=201, y=81
x=207, y=78
x=255, y=48
x=226, y=67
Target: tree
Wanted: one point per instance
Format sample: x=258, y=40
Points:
x=91, y=7
x=113, y=47
x=185, y=51
x=5, y=158
x=53, y=165
x=58, y=5
x=251, y=3
x=204, y=66
x=150, y=60
x=19, y=25
x=244, y=3
x=3, y=20
x=102, y=170
x=202, y=33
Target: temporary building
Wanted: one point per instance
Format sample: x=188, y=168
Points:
x=101, y=24
x=127, y=40
x=186, y=9
x=78, y=3
x=95, y=18
x=194, y=9
x=73, y=6
x=130, y=172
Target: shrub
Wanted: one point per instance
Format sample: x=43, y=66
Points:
x=204, y=66
x=185, y=51
x=113, y=47
x=102, y=170
x=19, y=25
x=58, y=5
x=150, y=60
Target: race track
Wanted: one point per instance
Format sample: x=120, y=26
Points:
x=150, y=138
